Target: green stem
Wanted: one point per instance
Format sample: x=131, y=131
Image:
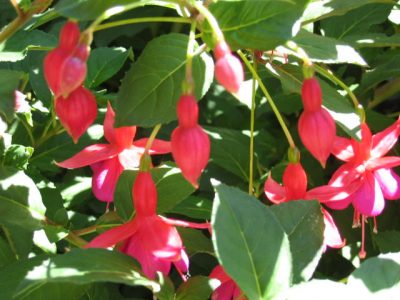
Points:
x=151, y=138
x=188, y=86
x=10, y=241
x=333, y=78
x=270, y=100
x=217, y=33
x=384, y=92
x=252, y=113
x=28, y=130
x=141, y=20
x=75, y=240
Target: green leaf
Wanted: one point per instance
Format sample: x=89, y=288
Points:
x=7, y=255
x=369, y=40
x=196, y=288
x=79, y=266
x=378, y=277
x=357, y=21
x=104, y=63
x=250, y=244
x=20, y=200
x=151, y=88
x=9, y=81
x=54, y=291
x=55, y=209
x=388, y=241
x=327, y=50
x=261, y=24
x=20, y=240
x=303, y=223
x=195, y=241
x=167, y=289
x=194, y=207
x=16, y=47
x=18, y=156
x=343, y=113
x=171, y=189
x=318, y=10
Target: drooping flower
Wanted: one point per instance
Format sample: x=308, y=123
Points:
x=228, y=68
x=190, y=144
x=295, y=188
x=76, y=112
x=65, y=66
x=151, y=239
x=109, y=160
x=228, y=289
x=367, y=177
x=316, y=126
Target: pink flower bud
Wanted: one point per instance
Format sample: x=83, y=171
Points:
x=76, y=112
x=317, y=131
x=187, y=111
x=69, y=36
x=295, y=181
x=191, y=151
x=311, y=94
x=144, y=195
x=228, y=68
x=20, y=104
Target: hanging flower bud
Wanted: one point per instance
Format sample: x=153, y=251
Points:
x=69, y=36
x=295, y=181
x=228, y=68
x=76, y=112
x=144, y=194
x=191, y=151
x=317, y=131
x=311, y=94
x=188, y=111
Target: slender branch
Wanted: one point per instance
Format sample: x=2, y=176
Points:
x=252, y=113
x=75, y=240
x=269, y=99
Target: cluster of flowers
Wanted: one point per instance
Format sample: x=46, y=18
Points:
x=65, y=71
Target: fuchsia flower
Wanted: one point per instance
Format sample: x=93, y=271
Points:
x=295, y=188
x=151, y=239
x=76, y=112
x=190, y=144
x=316, y=126
x=109, y=160
x=228, y=68
x=228, y=289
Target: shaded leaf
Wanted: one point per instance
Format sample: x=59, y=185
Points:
x=195, y=241
x=388, y=241
x=194, y=207
x=9, y=81
x=196, y=288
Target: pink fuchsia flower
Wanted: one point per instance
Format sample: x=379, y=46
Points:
x=190, y=144
x=228, y=289
x=228, y=68
x=316, y=126
x=65, y=66
x=76, y=112
x=151, y=239
x=295, y=188
x=108, y=161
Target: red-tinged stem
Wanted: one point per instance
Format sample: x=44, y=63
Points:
x=375, y=225
x=362, y=254
x=186, y=224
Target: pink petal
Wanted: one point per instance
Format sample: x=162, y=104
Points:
x=383, y=162
x=347, y=174
x=183, y=263
x=389, y=182
x=157, y=147
x=274, y=191
x=105, y=177
x=219, y=273
x=332, y=236
x=225, y=291
x=114, y=235
x=342, y=148
x=333, y=196
x=383, y=141
x=89, y=155
x=185, y=223
x=368, y=199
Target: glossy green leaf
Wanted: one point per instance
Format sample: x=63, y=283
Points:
x=196, y=288
x=318, y=10
x=339, y=106
x=151, y=88
x=104, y=63
x=373, y=40
x=9, y=81
x=16, y=47
x=20, y=200
x=388, y=241
x=194, y=207
x=304, y=225
x=327, y=50
x=171, y=189
x=17, y=156
x=377, y=277
x=256, y=24
x=250, y=244
x=79, y=266
x=195, y=241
